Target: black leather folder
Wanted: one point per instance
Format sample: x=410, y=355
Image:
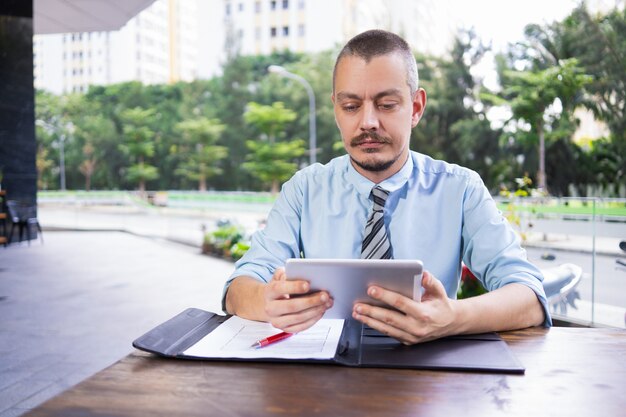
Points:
x=358, y=346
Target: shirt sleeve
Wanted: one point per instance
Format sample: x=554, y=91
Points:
x=491, y=248
x=277, y=242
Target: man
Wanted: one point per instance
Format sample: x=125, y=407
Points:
x=430, y=210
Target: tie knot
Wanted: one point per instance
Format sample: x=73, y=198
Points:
x=380, y=196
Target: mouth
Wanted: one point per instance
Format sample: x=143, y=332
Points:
x=370, y=144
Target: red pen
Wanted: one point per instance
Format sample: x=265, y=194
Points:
x=272, y=339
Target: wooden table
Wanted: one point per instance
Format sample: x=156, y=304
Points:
x=569, y=372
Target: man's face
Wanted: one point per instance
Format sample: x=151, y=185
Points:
x=375, y=113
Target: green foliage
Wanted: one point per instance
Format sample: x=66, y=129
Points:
x=269, y=120
x=142, y=172
x=239, y=249
x=128, y=127
x=597, y=43
x=139, y=145
x=269, y=160
x=523, y=189
x=224, y=240
x=201, y=155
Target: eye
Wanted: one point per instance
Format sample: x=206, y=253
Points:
x=387, y=106
x=350, y=108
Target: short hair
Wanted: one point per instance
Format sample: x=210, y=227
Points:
x=373, y=43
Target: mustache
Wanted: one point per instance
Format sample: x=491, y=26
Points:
x=362, y=138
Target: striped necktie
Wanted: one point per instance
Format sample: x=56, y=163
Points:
x=376, y=243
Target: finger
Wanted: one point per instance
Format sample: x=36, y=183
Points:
x=298, y=305
x=302, y=319
x=282, y=289
x=299, y=309
x=393, y=299
x=385, y=327
x=433, y=288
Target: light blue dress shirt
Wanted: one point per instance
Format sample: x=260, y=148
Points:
x=436, y=212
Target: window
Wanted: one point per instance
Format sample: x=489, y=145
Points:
x=285, y=4
x=273, y=32
x=301, y=31
x=241, y=7
x=257, y=7
x=301, y=4
x=285, y=30
x=257, y=33
x=273, y=4
x=227, y=9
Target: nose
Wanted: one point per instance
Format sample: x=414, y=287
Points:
x=369, y=117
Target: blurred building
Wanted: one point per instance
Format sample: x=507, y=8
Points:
x=159, y=45
x=264, y=26
x=175, y=40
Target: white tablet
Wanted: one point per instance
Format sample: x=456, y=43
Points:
x=347, y=280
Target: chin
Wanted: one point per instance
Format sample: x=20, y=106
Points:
x=374, y=164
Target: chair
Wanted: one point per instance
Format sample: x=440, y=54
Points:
x=560, y=284
x=24, y=215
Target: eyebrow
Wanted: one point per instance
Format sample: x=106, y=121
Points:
x=390, y=92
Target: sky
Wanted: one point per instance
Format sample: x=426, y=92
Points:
x=503, y=21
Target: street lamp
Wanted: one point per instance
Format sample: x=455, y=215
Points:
x=277, y=69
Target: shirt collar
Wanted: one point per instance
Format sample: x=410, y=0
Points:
x=391, y=184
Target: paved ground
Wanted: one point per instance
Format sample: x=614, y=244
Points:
x=73, y=306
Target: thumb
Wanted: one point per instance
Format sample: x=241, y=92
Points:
x=433, y=288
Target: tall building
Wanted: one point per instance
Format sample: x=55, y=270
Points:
x=175, y=40
x=159, y=45
x=264, y=26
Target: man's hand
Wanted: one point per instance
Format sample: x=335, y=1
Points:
x=289, y=313
x=414, y=321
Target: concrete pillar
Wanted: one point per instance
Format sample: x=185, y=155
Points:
x=18, y=147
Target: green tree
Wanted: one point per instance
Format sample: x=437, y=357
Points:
x=597, y=42
x=53, y=129
x=271, y=161
x=139, y=143
x=269, y=120
x=200, y=151
x=455, y=126
x=317, y=69
x=88, y=166
x=532, y=93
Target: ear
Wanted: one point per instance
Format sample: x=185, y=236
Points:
x=419, y=104
x=332, y=97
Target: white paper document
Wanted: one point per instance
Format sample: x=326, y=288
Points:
x=234, y=339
